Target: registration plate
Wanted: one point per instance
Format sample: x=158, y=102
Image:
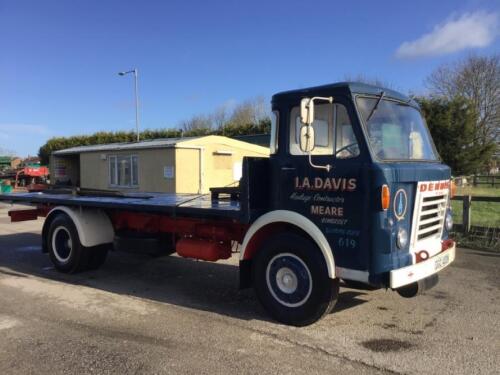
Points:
x=441, y=262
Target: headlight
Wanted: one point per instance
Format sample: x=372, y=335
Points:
x=448, y=221
x=402, y=239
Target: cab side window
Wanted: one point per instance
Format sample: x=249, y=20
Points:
x=274, y=132
x=323, y=143
x=346, y=145
x=332, y=130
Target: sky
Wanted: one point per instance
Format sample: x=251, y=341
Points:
x=59, y=59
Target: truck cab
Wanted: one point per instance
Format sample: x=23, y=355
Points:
x=358, y=162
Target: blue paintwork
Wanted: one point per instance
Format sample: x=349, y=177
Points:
x=367, y=241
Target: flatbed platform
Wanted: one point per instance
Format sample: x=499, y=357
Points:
x=187, y=205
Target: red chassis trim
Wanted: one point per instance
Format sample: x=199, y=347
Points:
x=204, y=239
x=217, y=230
x=28, y=214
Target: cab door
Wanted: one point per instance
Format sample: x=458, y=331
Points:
x=335, y=200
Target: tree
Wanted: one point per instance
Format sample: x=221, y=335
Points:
x=220, y=117
x=452, y=124
x=200, y=124
x=476, y=78
x=249, y=117
x=248, y=112
x=60, y=143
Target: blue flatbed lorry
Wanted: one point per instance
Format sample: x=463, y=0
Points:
x=353, y=190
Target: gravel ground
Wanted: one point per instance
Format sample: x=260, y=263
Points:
x=139, y=314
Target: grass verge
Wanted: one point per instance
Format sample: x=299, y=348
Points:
x=485, y=216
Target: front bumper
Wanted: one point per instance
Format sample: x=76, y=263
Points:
x=415, y=272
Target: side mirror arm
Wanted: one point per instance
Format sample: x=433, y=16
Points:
x=327, y=167
x=307, y=105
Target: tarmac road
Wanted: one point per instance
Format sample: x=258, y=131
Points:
x=139, y=314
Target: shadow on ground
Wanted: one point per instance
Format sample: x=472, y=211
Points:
x=189, y=283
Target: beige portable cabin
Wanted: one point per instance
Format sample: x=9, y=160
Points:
x=174, y=165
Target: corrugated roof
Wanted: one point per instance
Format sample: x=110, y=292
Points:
x=153, y=143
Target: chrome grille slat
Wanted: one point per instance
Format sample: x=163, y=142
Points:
x=431, y=203
x=428, y=212
x=431, y=217
x=429, y=229
x=431, y=220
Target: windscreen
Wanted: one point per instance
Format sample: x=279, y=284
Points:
x=396, y=131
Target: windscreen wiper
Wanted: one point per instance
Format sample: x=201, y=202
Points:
x=376, y=106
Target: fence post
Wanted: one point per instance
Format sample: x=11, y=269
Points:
x=466, y=213
x=474, y=181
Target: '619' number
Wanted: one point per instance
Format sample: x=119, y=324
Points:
x=348, y=243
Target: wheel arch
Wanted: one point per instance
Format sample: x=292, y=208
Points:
x=281, y=220
x=93, y=225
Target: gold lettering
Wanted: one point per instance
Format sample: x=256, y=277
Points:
x=327, y=211
x=336, y=183
x=352, y=184
x=318, y=183
x=327, y=185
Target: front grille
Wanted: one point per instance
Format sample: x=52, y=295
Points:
x=431, y=218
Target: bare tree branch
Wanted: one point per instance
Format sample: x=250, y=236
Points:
x=476, y=78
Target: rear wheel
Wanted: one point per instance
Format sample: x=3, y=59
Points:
x=65, y=249
x=97, y=256
x=291, y=280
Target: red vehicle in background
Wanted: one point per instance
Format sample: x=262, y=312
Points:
x=33, y=178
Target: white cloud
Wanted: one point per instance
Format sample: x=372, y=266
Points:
x=470, y=30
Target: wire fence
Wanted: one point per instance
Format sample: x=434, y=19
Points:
x=486, y=235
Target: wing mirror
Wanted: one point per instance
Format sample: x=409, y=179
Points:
x=306, y=138
x=307, y=111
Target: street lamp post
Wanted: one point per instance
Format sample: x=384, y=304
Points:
x=136, y=99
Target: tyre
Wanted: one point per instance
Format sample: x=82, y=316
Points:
x=291, y=280
x=418, y=287
x=63, y=244
x=97, y=256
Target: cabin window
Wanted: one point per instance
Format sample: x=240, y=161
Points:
x=346, y=145
x=123, y=171
x=396, y=130
x=323, y=140
x=274, y=132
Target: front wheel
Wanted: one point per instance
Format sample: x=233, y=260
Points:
x=291, y=280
